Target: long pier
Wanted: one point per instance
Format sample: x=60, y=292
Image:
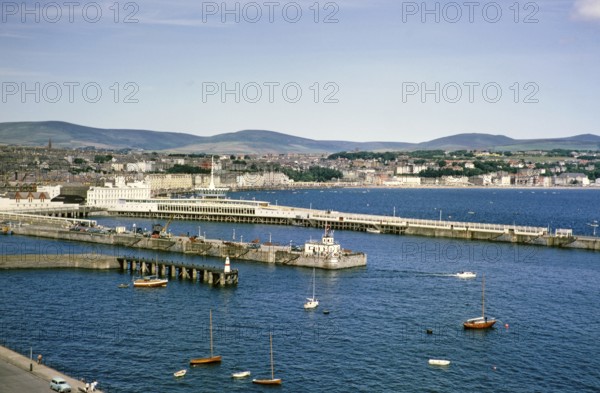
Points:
x=257, y=212
x=186, y=271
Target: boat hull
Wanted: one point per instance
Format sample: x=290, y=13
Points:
x=479, y=325
x=214, y=359
x=241, y=374
x=311, y=303
x=466, y=275
x=267, y=381
x=439, y=362
x=150, y=282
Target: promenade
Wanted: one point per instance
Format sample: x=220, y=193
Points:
x=16, y=377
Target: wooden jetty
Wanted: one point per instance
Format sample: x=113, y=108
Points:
x=185, y=271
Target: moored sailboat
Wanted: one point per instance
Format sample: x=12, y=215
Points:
x=212, y=358
x=481, y=322
x=150, y=282
x=312, y=302
x=273, y=380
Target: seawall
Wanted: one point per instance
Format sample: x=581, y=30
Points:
x=275, y=254
x=47, y=261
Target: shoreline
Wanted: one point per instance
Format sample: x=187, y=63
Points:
x=447, y=187
x=32, y=370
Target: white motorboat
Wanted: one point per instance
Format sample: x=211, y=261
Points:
x=466, y=274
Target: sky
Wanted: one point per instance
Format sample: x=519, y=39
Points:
x=357, y=70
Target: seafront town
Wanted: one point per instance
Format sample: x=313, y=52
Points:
x=77, y=170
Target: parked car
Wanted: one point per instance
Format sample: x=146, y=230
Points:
x=60, y=385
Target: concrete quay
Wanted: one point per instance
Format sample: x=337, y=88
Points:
x=266, y=253
x=257, y=212
x=21, y=374
x=53, y=261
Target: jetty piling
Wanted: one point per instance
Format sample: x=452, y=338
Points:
x=193, y=272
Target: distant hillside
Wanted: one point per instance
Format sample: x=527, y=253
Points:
x=467, y=142
x=65, y=134
x=248, y=141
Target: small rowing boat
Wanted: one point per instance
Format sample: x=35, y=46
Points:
x=241, y=374
x=180, y=373
x=439, y=362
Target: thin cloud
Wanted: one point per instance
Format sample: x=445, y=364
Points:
x=587, y=10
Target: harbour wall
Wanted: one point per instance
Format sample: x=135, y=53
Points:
x=285, y=215
x=573, y=242
x=266, y=253
x=45, y=261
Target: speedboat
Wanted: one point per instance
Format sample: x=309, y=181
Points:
x=466, y=275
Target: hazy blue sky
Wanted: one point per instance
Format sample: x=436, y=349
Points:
x=523, y=69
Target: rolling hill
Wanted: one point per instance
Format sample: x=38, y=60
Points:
x=70, y=135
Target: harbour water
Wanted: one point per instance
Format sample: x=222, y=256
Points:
x=374, y=338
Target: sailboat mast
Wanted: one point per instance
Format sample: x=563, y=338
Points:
x=211, y=338
x=313, y=284
x=272, y=367
x=483, y=297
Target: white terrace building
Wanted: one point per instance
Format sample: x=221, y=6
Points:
x=109, y=195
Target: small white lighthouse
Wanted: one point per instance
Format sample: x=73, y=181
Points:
x=227, y=265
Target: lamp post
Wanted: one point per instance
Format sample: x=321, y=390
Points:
x=594, y=225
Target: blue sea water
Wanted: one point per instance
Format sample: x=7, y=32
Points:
x=373, y=340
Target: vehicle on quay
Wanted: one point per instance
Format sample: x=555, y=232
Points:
x=60, y=385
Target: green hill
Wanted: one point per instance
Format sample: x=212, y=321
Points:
x=70, y=135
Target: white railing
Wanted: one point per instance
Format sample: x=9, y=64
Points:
x=415, y=222
x=50, y=219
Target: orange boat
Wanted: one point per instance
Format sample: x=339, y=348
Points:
x=481, y=322
x=273, y=380
x=212, y=358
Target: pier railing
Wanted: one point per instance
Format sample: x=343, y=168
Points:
x=25, y=217
x=375, y=221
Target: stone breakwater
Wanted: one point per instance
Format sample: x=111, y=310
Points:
x=266, y=253
x=53, y=261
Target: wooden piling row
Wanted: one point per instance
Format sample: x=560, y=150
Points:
x=196, y=273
